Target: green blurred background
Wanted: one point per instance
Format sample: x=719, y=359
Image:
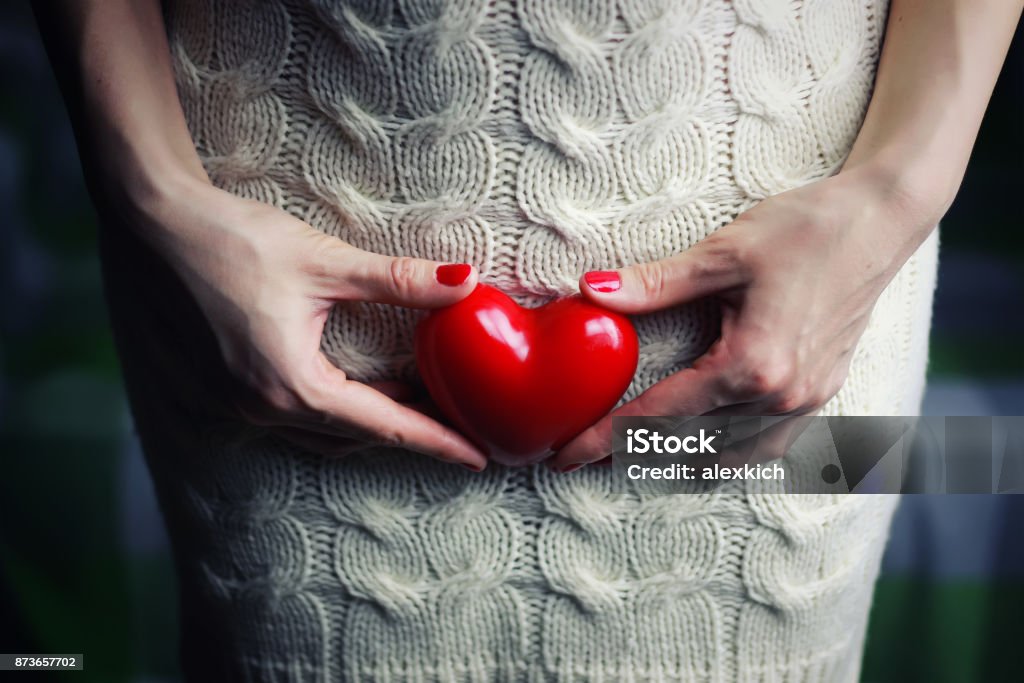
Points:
x=84, y=565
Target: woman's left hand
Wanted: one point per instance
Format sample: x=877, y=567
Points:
x=797, y=276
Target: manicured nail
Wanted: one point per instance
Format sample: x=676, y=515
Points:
x=453, y=274
x=603, y=280
x=570, y=468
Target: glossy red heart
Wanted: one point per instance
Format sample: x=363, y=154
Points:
x=521, y=382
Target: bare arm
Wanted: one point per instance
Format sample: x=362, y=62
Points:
x=264, y=280
x=113, y=64
x=938, y=67
x=939, y=64
x=799, y=274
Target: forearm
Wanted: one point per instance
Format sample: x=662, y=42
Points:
x=113, y=64
x=939, y=64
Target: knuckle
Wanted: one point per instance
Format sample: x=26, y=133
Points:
x=763, y=374
x=652, y=280
x=804, y=396
x=402, y=274
x=724, y=252
x=321, y=256
x=391, y=438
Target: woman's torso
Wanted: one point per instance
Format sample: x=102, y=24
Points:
x=535, y=139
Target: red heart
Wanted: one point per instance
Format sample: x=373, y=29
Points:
x=522, y=382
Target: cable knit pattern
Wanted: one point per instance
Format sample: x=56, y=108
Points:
x=535, y=139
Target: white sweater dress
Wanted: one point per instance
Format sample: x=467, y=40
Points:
x=535, y=139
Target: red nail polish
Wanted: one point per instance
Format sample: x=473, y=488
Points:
x=570, y=468
x=453, y=274
x=603, y=280
x=471, y=468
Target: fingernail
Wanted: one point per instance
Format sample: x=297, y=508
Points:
x=603, y=280
x=570, y=468
x=471, y=468
x=453, y=274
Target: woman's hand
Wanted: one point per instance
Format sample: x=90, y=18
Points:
x=799, y=274
x=265, y=282
x=797, y=277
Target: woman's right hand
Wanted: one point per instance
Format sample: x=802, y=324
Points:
x=265, y=282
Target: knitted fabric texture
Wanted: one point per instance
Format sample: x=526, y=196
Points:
x=536, y=139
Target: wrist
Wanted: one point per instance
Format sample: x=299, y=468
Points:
x=152, y=196
x=142, y=184
x=888, y=213
x=907, y=196
x=921, y=190
x=139, y=190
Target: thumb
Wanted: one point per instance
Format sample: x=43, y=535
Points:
x=697, y=272
x=401, y=280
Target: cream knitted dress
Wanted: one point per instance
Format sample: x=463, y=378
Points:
x=535, y=139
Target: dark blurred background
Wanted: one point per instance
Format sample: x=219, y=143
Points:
x=84, y=563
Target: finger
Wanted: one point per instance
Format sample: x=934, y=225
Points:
x=709, y=267
x=307, y=422
x=333, y=431
x=357, y=275
x=691, y=391
x=388, y=423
